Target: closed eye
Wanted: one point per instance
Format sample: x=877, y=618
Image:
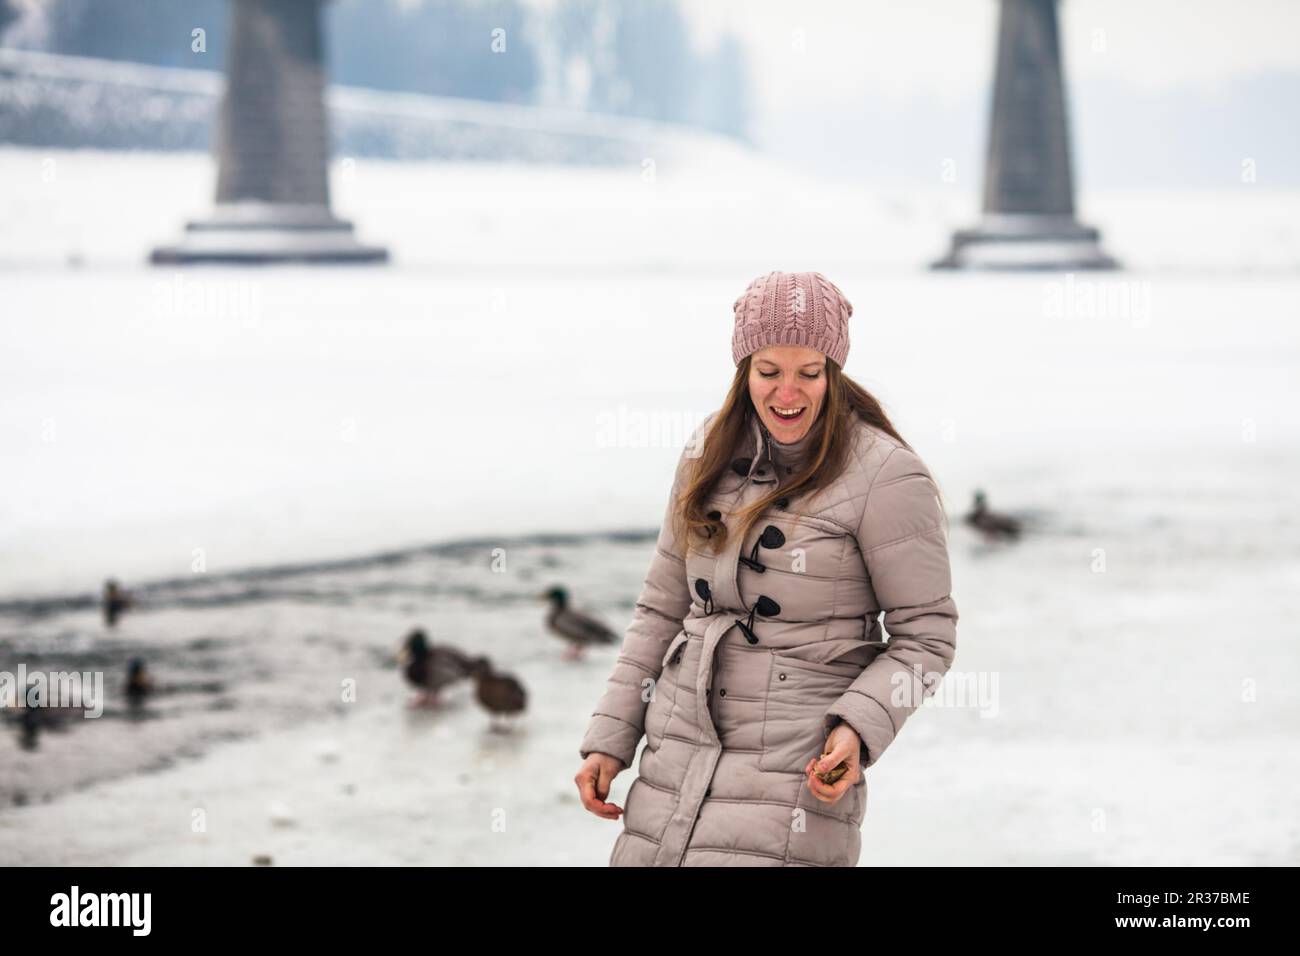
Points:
x=814, y=375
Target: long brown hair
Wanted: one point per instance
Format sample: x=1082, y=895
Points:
x=845, y=398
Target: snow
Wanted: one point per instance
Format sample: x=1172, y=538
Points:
x=1143, y=637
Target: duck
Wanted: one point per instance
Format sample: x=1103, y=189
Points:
x=37, y=715
x=990, y=523
x=501, y=695
x=139, y=683
x=115, y=602
x=29, y=727
x=432, y=667
x=575, y=627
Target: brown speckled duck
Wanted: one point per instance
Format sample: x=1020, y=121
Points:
x=575, y=627
x=431, y=667
x=501, y=695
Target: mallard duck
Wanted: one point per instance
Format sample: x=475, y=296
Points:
x=36, y=715
x=139, y=684
x=115, y=602
x=990, y=523
x=29, y=727
x=431, y=667
x=501, y=695
x=577, y=628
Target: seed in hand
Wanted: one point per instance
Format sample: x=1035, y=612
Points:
x=830, y=776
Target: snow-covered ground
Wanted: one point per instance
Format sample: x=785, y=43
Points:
x=494, y=380
x=533, y=317
x=381, y=787
x=1140, y=715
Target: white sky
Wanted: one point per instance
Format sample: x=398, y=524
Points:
x=938, y=47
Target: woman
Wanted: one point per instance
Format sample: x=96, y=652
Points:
x=797, y=514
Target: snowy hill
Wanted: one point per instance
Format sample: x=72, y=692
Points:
x=78, y=102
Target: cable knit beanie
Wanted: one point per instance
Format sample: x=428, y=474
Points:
x=792, y=308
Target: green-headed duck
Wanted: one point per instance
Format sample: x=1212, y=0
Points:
x=431, y=667
x=575, y=627
x=990, y=523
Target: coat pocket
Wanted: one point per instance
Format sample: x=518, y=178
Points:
x=859, y=793
x=839, y=654
x=675, y=648
x=799, y=692
x=664, y=692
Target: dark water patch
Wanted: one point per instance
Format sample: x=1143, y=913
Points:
x=286, y=582
x=249, y=653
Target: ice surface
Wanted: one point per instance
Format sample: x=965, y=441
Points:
x=1146, y=711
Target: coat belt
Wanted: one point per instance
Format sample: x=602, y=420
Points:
x=708, y=749
x=704, y=755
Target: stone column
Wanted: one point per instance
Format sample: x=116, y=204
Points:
x=1028, y=213
x=273, y=147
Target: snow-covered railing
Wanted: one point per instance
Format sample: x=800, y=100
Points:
x=68, y=101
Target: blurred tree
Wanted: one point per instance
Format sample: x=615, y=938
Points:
x=574, y=28
x=8, y=14
x=446, y=47
x=145, y=31
x=722, y=95
x=628, y=57
x=633, y=57
x=650, y=69
x=443, y=47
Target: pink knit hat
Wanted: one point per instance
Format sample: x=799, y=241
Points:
x=792, y=308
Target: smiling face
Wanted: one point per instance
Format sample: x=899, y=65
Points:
x=787, y=384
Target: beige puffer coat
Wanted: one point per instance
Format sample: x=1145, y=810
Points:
x=729, y=724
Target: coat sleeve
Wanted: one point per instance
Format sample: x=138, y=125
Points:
x=618, y=722
x=904, y=544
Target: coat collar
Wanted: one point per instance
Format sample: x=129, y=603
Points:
x=761, y=468
x=758, y=438
x=760, y=453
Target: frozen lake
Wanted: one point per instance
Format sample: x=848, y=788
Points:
x=495, y=381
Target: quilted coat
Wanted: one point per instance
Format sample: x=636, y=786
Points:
x=729, y=723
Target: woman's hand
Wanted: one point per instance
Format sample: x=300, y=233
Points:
x=593, y=779
x=842, y=746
